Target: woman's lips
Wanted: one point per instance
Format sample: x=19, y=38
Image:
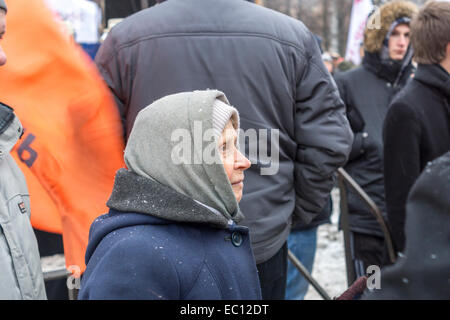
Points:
x=237, y=183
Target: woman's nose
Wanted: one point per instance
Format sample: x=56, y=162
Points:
x=241, y=161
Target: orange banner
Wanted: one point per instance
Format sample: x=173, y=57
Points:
x=73, y=142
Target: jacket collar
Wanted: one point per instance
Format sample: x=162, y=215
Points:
x=395, y=72
x=9, y=137
x=135, y=193
x=435, y=76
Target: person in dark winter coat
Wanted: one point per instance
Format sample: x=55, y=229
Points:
x=302, y=240
x=270, y=67
x=367, y=92
x=423, y=272
x=417, y=126
x=171, y=231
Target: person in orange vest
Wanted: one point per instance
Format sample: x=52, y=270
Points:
x=21, y=273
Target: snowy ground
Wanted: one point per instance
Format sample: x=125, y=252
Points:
x=329, y=265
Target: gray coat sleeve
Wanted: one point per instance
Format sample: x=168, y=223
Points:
x=323, y=134
x=110, y=69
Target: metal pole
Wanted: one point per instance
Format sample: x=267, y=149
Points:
x=374, y=209
x=56, y=274
x=351, y=274
x=301, y=268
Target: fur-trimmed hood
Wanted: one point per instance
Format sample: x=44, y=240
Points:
x=391, y=11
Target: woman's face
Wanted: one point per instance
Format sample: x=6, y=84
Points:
x=233, y=160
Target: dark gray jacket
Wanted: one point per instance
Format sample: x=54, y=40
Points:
x=270, y=68
x=367, y=92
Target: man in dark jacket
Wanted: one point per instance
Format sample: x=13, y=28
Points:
x=367, y=92
x=302, y=241
x=270, y=68
x=417, y=126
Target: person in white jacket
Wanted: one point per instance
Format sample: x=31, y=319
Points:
x=20, y=267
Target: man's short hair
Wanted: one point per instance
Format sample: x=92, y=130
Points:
x=430, y=32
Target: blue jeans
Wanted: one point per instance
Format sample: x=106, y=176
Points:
x=302, y=244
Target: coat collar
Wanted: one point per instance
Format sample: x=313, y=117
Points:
x=9, y=137
x=435, y=76
x=134, y=193
x=395, y=72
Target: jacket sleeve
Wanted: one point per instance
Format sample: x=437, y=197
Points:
x=401, y=138
x=355, y=119
x=107, y=62
x=322, y=133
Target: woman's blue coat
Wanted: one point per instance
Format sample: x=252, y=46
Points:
x=138, y=256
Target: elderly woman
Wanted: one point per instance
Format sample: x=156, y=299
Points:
x=171, y=230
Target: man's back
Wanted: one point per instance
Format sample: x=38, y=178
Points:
x=270, y=68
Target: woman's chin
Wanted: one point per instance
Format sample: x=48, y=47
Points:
x=238, y=195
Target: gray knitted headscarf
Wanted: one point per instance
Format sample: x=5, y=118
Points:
x=155, y=147
x=3, y=5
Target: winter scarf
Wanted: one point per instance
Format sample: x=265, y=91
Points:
x=154, y=151
x=394, y=72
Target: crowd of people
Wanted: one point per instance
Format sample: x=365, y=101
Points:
x=235, y=123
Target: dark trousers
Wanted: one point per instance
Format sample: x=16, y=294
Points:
x=367, y=250
x=272, y=275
